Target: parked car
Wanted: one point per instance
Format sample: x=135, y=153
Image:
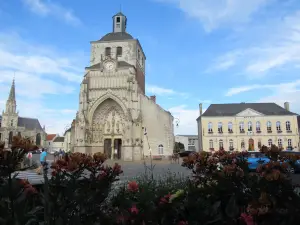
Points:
x=294, y=162
x=255, y=159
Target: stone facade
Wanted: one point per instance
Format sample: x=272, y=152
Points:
x=11, y=124
x=190, y=142
x=114, y=114
x=247, y=126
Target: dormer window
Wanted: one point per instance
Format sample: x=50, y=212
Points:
x=118, y=19
x=119, y=51
x=107, y=51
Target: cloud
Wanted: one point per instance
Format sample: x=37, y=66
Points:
x=187, y=120
x=41, y=73
x=160, y=91
x=276, y=45
x=218, y=13
x=48, y=8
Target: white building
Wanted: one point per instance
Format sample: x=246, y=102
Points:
x=114, y=111
x=190, y=142
x=67, y=140
x=58, y=143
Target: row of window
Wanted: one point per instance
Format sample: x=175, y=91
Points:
x=251, y=143
x=250, y=127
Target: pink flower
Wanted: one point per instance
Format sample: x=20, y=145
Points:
x=134, y=209
x=248, y=219
x=182, y=222
x=133, y=186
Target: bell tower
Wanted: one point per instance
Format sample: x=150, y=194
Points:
x=119, y=23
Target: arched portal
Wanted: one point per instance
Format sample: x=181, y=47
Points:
x=38, y=139
x=251, y=144
x=108, y=124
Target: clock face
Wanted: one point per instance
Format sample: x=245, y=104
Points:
x=109, y=66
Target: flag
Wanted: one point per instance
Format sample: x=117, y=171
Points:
x=145, y=131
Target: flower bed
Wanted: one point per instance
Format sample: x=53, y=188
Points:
x=220, y=190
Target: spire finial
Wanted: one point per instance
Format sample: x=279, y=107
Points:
x=120, y=7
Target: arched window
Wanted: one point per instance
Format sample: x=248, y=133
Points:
x=242, y=144
x=288, y=126
x=249, y=126
x=230, y=127
x=38, y=139
x=220, y=127
x=259, y=144
x=119, y=51
x=269, y=126
x=289, y=142
x=19, y=134
x=278, y=126
x=160, y=149
x=221, y=146
x=211, y=144
x=10, y=138
x=11, y=123
x=270, y=142
x=279, y=143
x=107, y=51
x=241, y=125
x=210, y=127
x=231, y=145
x=257, y=126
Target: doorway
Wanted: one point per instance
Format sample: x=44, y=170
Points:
x=251, y=144
x=107, y=148
x=118, y=148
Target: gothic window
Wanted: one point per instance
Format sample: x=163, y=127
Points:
x=220, y=127
x=231, y=144
x=160, y=149
x=288, y=125
x=221, y=146
x=10, y=138
x=11, y=123
x=119, y=51
x=211, y=144
x=210, y=127
x=269, y=126
x=279, y=143
x=249, y=126
x=278, y=127
x=270, y=142
x=19, y=134
x=230, y=127
x=107, y=51
x=241, y=125
x=289, y=142
x=257, y=126
x=38, y=139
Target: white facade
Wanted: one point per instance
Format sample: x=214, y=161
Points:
x=190, y=142
x=57, y=144
x=114, y=112
x=67, y=140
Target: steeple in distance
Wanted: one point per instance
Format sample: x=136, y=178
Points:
x=119, y=22
x=11, y=101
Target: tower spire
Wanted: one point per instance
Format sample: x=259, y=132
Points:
x=12, y=93
x=11, y=101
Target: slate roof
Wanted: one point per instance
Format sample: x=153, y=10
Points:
x=232, y=109
x=120, y=64
x=119, y=14
x=50, y=137
x=188, y=135
x=29, y=123
x=59, y=139
x=118, y=36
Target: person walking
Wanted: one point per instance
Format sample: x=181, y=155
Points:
x=43, y=158
x=29, y=157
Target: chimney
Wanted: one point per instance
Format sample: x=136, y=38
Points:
x=287, y=106
x=200, y=109
x=153, y=98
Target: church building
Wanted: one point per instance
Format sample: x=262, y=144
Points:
x=115, y=116
x=11, y=124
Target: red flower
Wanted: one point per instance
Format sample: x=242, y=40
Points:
x=248, y=219
x=134, y=209
x=133, y=186
x=165, y=199
x=117, y=168
x=53, y=173
x=182, y=222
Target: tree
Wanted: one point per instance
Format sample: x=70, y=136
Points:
x=178, y=147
